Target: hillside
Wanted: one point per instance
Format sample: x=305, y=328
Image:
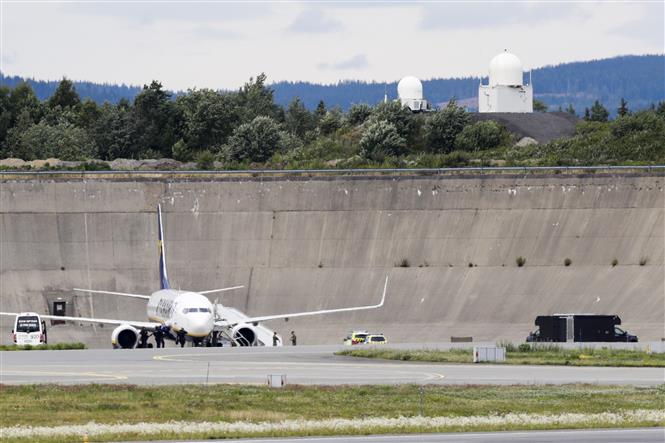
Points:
x=640, y=79
x=448, y=243
x=99, y=92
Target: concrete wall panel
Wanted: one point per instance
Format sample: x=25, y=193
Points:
x=311, y=243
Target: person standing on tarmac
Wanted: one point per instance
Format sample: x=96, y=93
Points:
x=181, y=337
x=159, y=337
x=275, y=339
x=143, y=343
x=293, y=338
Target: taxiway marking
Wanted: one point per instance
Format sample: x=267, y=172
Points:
x=67, y=374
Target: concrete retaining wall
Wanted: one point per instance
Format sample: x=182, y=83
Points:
x=312, y=243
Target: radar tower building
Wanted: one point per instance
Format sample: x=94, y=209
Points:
x=506, y=91
x=410, y=93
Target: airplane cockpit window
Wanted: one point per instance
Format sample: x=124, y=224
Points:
x=190, y=310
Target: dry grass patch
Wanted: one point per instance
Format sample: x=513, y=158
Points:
x=525, y=354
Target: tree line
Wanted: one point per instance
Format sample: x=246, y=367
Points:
x=640, y=79
x=247, y=128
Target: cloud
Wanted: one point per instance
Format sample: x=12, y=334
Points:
x=215, y=33
x=648, y=28
x=358, y=61
x=314, y=21
x=453, y=16
x=8, y=58
x=146, y=13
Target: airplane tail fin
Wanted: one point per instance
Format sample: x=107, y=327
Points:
x=163, y=276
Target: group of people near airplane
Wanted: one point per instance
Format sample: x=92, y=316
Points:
x=189, y=316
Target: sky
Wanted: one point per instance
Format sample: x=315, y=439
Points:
x=220, y=45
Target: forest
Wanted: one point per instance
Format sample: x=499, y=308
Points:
x=248, y=129
x=640, y=79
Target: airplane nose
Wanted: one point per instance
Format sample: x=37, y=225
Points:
x=200, y=325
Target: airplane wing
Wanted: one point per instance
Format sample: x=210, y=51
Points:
x=307, y=313
x=137, y=324
x=220, y=290
x=124, y=294
x=147, y=297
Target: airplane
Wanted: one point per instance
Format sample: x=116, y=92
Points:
x=191, y=313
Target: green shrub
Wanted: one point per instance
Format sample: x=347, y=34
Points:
x=615, y=262
x=404, y=263
x=521, y=261
x=397, y=115
x=60, y=139
x=205, y=160
x=94, y=166
x=524, y=347
x=55, y=346
x=510, y=347
x=643, y=261
x=358, y=113
x=255, y=141
x=381, y=139
x=567, y=262
x=331, y=122
x=442, y=127
x=181, y=152
x=455, y=159
x=481, y=136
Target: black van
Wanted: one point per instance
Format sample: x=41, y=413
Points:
x=579, y=328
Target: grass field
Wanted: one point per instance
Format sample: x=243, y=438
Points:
x=523, y=355
x=460, y=408
x=55, y=346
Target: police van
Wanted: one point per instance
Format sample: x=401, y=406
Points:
x=29, y=329
x=579, y=328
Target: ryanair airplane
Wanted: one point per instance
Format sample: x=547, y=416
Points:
x=192, y=315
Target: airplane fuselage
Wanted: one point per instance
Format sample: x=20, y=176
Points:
x=180, y=310
x=192, y=313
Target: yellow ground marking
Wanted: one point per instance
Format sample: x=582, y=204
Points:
x=429, y=376
x=180, y=358
x=67, y=374
x=435, y=376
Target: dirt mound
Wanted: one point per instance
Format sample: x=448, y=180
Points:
x=541, y=126
x=12, y=162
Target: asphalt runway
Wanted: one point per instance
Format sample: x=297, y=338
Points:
x=309, y=365
x=645, y=435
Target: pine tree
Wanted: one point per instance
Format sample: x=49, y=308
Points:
x=539, y=106
x=65, y=96
x=622, y=111
x=320, y=110
x=598, y=112
x=570, y=110
x=297, y=119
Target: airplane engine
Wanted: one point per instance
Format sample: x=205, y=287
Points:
x=244, y=335
x=125, y=337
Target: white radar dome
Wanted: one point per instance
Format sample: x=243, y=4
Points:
x=410, y=88
x=506, y=69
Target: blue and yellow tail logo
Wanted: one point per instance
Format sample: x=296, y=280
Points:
x=163, y=276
